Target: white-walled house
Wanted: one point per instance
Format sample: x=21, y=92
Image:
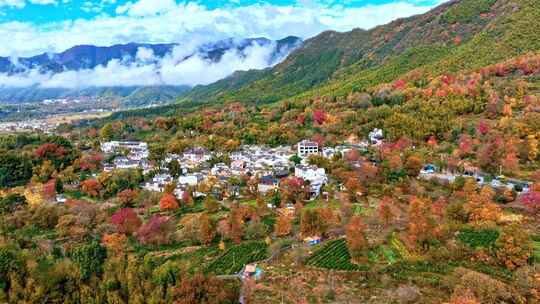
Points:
x=306, y=148
x=191, y=179
x=315, y=175
x=376, y=136
x=197, y=155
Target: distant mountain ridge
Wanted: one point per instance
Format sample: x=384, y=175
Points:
x=89, y=56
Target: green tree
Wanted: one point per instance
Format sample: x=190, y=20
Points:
x=15, y=169
x=90, y=258
x=174, y=168
x=107, y=132
x=296, y=159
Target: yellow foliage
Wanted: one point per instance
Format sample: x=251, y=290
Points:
x=34, y=194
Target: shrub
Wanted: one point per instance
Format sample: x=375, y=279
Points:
x=9, y=202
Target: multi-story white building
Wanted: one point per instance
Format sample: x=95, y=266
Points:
x=315, y=175
x=191, y=179
x=306, y=148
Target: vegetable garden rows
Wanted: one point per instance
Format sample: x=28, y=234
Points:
x=234, y=259
x=334, y=255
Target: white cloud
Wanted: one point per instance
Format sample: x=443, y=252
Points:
x=44, y=2
x=159, y=21
x=147, y=7
x=13, y=3
x=149, y=70
x=22, y=3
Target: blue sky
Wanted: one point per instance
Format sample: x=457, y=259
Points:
x=30, y=27
x=45, y=11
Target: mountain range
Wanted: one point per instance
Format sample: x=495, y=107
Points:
x=88, y=57
x=457, y=35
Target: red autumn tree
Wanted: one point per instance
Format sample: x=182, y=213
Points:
x=168, y=202
x=319, y=116
x=90, y=162
x=531, y=200
x=49, y=189
x=50, y=151
x=187, y=198
x=203, y=289
x=91, y=187
x=356, y=238
x=465, y=144
x=126, y=221
x=439, y=207
x=399, y=84
x=482, y=128
x=352, y=155
x=292, y=190
x=432, y=141
x=157, y=231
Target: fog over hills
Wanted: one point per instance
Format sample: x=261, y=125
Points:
x=126, y=68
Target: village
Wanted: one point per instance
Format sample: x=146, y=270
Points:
x=268, y=166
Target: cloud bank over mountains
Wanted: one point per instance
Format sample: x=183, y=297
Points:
x=185, y=65
x=187, y=23
x=166, y=21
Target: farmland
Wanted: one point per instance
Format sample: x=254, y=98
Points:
x=334, y=255
x=236, y=257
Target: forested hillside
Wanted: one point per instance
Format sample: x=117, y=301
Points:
x=457, y=35
x=442, y=207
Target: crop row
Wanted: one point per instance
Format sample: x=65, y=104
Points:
x=334, y=255
x=234, y=259
x=536, y=251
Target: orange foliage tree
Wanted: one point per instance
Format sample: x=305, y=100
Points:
x=356, y=238
x=91, y=187
x=513, y=247
x=283, y=225
x=168, y=202
x=422, y=226
x=127, y=196
x=385, y=211
x=207, y=229
x=481, y=208
x=312, y=223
